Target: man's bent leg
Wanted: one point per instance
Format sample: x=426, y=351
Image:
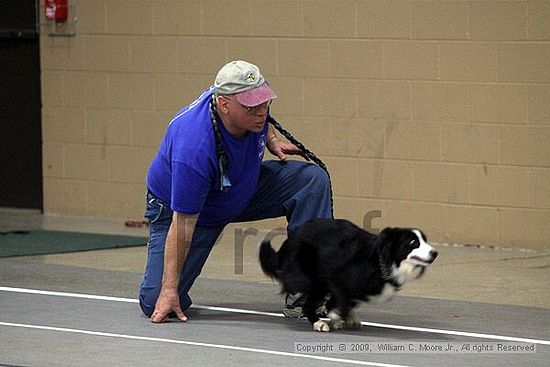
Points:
x=204, y=239
x=160, y=218
x=298, y=190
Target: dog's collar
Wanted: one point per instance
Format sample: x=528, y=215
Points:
x=386, y=274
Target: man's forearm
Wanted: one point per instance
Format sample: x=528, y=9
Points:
x=178, y=242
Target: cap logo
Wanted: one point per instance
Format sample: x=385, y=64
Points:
x=250, y=77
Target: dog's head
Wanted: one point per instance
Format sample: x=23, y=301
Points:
x=405, y=251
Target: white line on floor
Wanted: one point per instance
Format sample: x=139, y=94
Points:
x=251, y=312
x=197, y=344
x=66, y=294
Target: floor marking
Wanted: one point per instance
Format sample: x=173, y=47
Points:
x=199, y=344
x=66, y=294
x=251, y=312
x=458, y=333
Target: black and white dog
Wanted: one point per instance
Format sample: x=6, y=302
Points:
x=336, y=258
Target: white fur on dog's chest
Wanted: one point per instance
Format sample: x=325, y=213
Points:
x=387, y=293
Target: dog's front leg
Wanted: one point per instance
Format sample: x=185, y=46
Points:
x=336, y=320
x=341, y=310
x=310, y=307
x=352, y=321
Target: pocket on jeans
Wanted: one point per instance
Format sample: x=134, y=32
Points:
x=153, y=211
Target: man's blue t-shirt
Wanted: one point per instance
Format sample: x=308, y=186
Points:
x=185, y=171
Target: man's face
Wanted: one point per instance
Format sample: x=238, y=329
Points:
x=243, y=118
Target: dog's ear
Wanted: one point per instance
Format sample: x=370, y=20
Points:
x=384, y=245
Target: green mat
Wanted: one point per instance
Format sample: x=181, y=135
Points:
x=41, y=242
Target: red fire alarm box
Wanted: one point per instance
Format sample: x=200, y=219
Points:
x=57, y=10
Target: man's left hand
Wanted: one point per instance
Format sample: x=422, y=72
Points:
x=281, y=148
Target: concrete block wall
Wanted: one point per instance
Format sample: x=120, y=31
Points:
x=435, y=113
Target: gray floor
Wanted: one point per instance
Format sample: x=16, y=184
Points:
x=237, y=322
x=107, y=332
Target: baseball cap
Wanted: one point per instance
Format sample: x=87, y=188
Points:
x=244, y=81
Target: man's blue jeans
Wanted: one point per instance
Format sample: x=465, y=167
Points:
x=298, y=190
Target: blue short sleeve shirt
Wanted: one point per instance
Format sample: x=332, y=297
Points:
x=185, y=172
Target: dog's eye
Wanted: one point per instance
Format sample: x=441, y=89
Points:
x=413, y=243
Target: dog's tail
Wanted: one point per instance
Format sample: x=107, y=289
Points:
x=268, y=259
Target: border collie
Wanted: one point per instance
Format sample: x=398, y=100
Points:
x=336, y=259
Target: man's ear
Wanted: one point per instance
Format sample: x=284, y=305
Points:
x=222, y=104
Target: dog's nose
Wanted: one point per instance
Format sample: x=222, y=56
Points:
x=433, y=254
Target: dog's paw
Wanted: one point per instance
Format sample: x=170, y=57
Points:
x=352, y=321
x=336, y=321
x=321, y=326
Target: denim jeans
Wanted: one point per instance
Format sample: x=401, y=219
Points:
x=298, y=190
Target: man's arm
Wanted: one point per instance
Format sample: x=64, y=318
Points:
x=176, y=248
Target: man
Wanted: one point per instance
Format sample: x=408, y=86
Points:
x=209, y=172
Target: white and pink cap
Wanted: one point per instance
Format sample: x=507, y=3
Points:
x=244, y=81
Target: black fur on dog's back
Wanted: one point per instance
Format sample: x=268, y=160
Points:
x=300, y=259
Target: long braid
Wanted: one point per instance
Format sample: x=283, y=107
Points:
x=305, y=151
x=223, y=165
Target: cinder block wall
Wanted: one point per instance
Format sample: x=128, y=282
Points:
x=433, y=114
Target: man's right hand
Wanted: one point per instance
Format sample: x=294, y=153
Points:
x=167, y=302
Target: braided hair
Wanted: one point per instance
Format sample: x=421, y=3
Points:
x=308, y=154
x=223, y=163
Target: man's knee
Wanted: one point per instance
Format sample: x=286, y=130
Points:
x=147, y=301
x=317, y=175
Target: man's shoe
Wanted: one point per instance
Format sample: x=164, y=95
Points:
x=294, y=304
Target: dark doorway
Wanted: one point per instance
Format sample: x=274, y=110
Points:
x=20, y=126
